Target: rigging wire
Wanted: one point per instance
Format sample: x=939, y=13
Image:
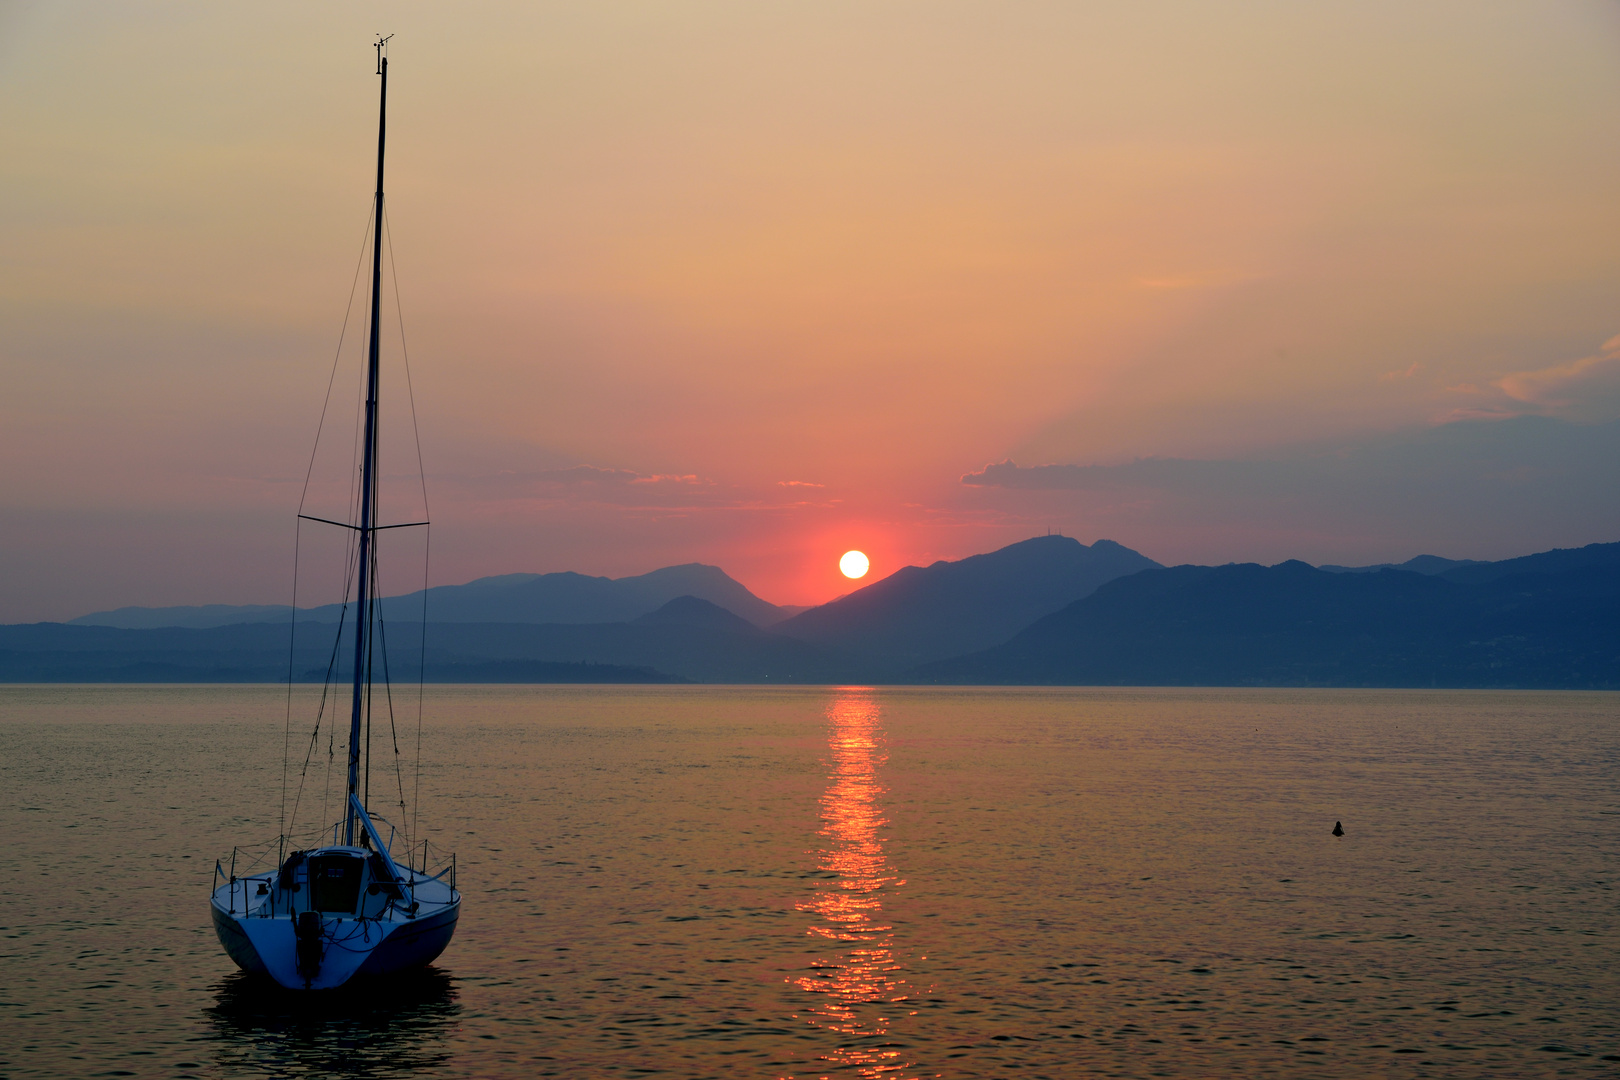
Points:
x=320, y=712
x=326, y=789
x=393, y=732
x=427, y=543
x=349, y=576
x=298, y=530
x=350, y=580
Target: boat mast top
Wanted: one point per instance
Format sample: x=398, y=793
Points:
x=368, y=472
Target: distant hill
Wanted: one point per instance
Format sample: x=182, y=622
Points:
x=192, y=617
x=693, y=611
x=1422, y=564
x=926, y=613
x=57, y=652
x=1550, y=620
x=697, y=650
x=687, y=639
x=1595, y=559
x=543, y=671
x=257, y=653
x=509, y=598
x=1546, y=620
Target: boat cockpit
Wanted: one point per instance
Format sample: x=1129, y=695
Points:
x=335, y=882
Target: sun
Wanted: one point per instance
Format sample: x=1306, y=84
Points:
x=854, y=564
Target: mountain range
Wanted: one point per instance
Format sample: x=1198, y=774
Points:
x=1549, y=620
x=1049, y=610
x=506, y=598
x=923, y=613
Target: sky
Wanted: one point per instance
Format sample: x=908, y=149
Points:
x=754, y=284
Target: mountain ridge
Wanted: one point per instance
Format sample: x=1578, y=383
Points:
x=921, y=613
x=1542, y=621
x=562, y=597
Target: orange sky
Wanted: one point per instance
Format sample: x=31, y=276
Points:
x=781, y=274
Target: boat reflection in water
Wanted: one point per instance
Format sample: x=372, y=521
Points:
x=859, y=989
x=378, y=1027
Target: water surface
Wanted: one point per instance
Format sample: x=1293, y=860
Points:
x=697, y=882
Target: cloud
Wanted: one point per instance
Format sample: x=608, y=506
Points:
x=1009, y=474
x=1477, y=412
x=585, y=474
x=1143, y=474
x=1585, y=390
x=628, y=490
x=1517, y=484
x=603, y=477
x=1560, y=388
x=586, y=483
x=668, y=478
x=1454, y=454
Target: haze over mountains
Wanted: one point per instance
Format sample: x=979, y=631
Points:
x=505, y=598
x=1047, y=610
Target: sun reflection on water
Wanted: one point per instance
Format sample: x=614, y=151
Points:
x=858, y=983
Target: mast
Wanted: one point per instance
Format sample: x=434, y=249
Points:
x=368, y=471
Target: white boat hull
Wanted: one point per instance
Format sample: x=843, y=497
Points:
x=261, y=930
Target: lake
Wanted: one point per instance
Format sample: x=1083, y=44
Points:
x=825, y=882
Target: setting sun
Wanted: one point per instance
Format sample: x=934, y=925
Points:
x=854, y=564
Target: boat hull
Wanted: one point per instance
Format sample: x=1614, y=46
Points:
x=269, y=946
x=238, y=946
x=413, y=944
x=264, y=939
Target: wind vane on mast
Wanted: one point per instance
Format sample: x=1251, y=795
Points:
x=382, y=50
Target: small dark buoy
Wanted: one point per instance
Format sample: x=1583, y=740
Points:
x=1338, y=828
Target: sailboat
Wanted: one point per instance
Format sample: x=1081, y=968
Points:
x=319, y=916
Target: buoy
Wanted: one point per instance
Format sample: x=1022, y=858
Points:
x=1338, y=828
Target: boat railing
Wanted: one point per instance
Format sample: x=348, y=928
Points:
x=416, y=864
x=426, y=855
